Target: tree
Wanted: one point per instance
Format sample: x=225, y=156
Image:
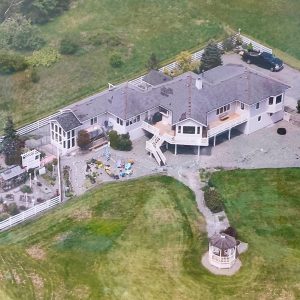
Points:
x=152, y=63
x=42, y=11
x=185, y=63
x=19, y=34
x=211, y=57
x=11, y=145
x=10, y=62
x=83, y=140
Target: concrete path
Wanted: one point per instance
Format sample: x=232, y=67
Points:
x=190, y=177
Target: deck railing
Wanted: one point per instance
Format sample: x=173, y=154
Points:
x=29, y=213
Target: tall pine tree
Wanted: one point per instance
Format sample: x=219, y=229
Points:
x=211, y=57
x=11, y=145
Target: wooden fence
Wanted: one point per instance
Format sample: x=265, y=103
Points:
x=29, y=213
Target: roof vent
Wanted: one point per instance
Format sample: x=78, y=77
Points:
x=199, y=83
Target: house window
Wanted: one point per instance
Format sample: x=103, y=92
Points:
x=271, y=100
x=138, y=118
x=179, y=129
x=93, y=120
x=198, y=130
x=121, y=122
x=257, y=106
x=118, y=121
x=68, y=144
x=68, y=134
x=278, y=99
x=259, y=118
x=59, y=130
x=56, y=128
x=242, y=106
x=73, y=142
x=271, y=114
x=188, y=129
x=52, y=126
x=223, y=109
x=73, y=133
x=64, y=144
x=127, y=123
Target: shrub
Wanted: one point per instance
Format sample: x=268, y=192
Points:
x=69, y=45
x=44, y=57
x=26, y=189
x=49, y=167
x=250, y=47
x=12, y=209
x=10, y=63
x=120, y=142
x=34, y=76
x=231, y=231
x=213, y=200
x=116, y=60
x=4, y=216
x=228, y=44
x=153, y=62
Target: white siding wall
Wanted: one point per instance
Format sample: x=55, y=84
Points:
x=266, y=119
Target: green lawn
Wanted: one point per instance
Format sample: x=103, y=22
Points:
x=164, y=27
x=144, y=239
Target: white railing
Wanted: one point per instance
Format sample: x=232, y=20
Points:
x=226, y=126
x=256, y=46
x=137, y=81
x=29, y=213
x=150, y=128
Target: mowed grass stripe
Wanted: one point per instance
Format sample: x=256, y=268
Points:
x=145, y=238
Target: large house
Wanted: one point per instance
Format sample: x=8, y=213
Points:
x=187, y=110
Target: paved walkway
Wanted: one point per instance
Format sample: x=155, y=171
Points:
x=190, y=177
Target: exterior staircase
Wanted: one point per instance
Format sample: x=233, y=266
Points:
x=153, y=146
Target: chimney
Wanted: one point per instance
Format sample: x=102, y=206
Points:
x=198, y=83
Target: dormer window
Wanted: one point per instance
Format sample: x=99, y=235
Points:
x=279, y=99
x=223, y=109
x=271, y=100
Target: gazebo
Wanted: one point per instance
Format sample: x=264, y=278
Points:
x=222, y=250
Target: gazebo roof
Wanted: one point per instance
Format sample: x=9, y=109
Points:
x=223, y=241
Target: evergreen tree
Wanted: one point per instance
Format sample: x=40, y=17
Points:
x=11, y=145
x=152, y=63
x=211, y=57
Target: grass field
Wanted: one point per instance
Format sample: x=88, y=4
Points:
x=144, y=240
x=164, y=27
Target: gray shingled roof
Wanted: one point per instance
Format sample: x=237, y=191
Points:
x=12, y=172
x=67, y=120
x=155, y=77
x=221, y=86
x=223, y=241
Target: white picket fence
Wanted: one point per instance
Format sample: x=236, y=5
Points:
x=29, y=213
x=139, y=81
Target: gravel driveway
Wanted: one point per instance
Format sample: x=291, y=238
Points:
x=287, y=75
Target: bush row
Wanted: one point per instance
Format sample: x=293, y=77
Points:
x=213, y=200
x=120, y=141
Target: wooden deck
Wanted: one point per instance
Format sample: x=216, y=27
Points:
x=230, y=118
x=164, y=128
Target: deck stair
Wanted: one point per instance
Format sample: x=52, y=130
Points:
x=153, y=146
